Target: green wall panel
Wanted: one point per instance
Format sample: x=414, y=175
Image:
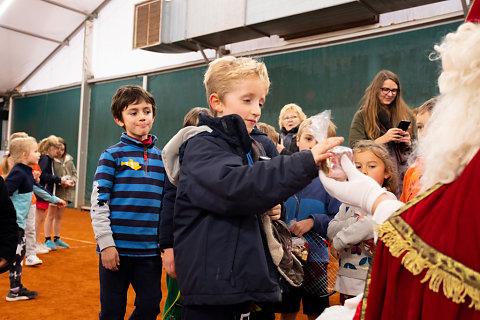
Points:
x=103, y=131
x=52, y=113
x=175, y=94
x=335, y=77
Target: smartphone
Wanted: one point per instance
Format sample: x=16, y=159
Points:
x=404, y=124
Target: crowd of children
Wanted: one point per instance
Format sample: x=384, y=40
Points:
x=32, y=188
x=203, y=201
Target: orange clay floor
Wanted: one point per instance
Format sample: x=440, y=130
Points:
x=67, y=281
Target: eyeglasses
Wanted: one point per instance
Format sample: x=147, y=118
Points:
x=290, y=117
x=385, y=91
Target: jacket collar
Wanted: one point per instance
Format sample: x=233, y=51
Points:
x=24, y=167
x=231, y=128
x=126, y=139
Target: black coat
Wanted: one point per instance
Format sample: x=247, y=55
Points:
x=48, y=178
x=169, y=192
x=220, y=249
x=8, y=227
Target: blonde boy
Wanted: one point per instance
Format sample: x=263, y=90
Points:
x=221, y=258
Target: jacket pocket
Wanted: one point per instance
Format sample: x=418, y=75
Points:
x=221, y=250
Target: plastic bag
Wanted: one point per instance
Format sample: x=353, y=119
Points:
x=331, y=166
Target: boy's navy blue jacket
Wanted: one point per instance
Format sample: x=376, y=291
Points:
x=220, y=248
x=169, y=194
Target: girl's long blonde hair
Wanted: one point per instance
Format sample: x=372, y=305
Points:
x=382, y=153
x=397, y=110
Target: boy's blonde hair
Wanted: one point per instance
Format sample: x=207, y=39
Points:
x=331, y=131
x=382, y=153
x=19, y=146
x=270, y=131
x=292, y=107
x=223, y=73
x=45, y=144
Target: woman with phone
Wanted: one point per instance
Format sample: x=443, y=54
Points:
x=386, y=119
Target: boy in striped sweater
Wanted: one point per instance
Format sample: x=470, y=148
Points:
x=125, y=210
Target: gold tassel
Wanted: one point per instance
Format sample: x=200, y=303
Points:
x=453, y=285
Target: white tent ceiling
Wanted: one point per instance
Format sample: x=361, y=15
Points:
x=32, y=30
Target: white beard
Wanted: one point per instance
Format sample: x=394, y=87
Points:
x=453, y=132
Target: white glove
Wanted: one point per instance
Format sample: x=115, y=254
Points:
x=359, y=191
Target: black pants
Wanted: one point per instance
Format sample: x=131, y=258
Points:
x=145, y=275
x=16, y=268
x=222, y=312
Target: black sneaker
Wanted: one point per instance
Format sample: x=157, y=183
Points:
x=22, y=294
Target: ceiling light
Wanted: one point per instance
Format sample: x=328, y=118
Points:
x=4, y=6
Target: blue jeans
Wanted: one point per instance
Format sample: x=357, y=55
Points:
x=145, y=275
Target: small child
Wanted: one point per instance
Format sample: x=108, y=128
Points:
x=31, y=250
x=221, y=256
x=351, y=231
x=64, y=167
x=310, y=209
x=411, y=181
x=125, y=209
x=270, y=131
x=49, y=148
x=21, y=185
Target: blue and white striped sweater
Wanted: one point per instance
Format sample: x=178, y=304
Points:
x=127, y=197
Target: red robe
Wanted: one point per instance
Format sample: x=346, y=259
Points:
x=427, y=264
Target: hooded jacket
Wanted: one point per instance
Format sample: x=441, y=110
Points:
x=220, y=249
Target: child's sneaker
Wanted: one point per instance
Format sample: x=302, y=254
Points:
x=60, y=244
x=32, y=260
x=22, y=294
x=41, y=249
x=50, y=244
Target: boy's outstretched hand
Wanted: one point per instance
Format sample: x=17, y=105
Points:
x=110, y=258
x=320, y=150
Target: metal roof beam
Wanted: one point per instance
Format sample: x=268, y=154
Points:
x=63, y=43
x=92, y=15
x=70, y=36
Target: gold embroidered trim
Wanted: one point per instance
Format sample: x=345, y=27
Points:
x=417, y=199
x=455, y=286
x=457, y=280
